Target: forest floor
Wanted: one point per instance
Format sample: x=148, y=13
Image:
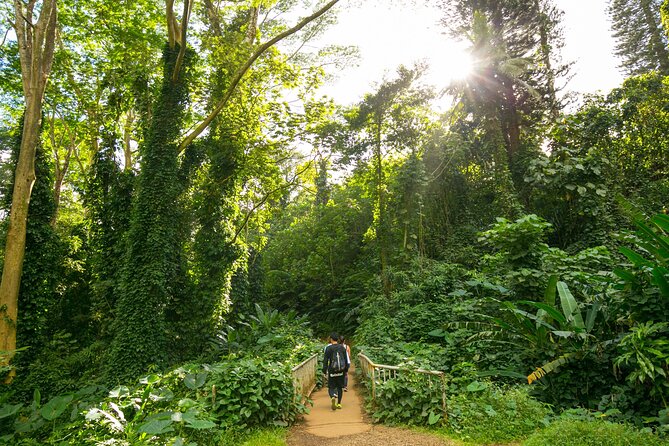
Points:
x=351, y=426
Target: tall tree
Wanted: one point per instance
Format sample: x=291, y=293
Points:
x=41, y=272
x=640, y=42
x=36, y=41
x=154, y=277
x=513, y=87
x=385, y=124
x=152, y=259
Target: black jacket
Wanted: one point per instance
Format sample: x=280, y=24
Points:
x=331, y=356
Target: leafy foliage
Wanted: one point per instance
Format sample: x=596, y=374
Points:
x=410, y=399
x=645, y=287
x=485, y=413
x=645, y=356
x=267, y=334
x=202, y=403
x=152, y=260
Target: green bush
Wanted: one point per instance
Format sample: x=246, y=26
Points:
x=412, y=354
x=267, y=334
x=489, y=414
x=592, y=433
x=410, y=399
x=201, y=403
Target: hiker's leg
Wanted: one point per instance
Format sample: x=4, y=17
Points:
x=339, y=394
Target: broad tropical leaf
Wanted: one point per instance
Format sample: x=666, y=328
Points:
x=634, y=257
x=569, y=305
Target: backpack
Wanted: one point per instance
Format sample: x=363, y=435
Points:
x=338, y=359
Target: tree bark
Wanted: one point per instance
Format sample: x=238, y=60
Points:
x=252, y=25
x=511, y=121
x=36, y=46
x=127, y=149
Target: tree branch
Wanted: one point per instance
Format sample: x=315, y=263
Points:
x=244, y=68
x=188, y=5
x=266, y=197
x=172, y=24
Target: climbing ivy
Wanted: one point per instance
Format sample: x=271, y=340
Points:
x=152, y=260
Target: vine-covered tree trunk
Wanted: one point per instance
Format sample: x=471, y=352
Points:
x=36, y=45
x=108, y=199
x=153, y=244
x=382, y=230
x=545, y=51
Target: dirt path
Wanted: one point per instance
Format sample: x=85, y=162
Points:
x=350, y=426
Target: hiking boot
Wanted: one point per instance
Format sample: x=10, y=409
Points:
x=333, y=400
x=338, y=406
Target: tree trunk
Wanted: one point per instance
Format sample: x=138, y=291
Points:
x=36, y=46
x=546, y=59
x=252, y=25
x=127, y=149
x=511, y=121
x=381, y=230
x=16, y=233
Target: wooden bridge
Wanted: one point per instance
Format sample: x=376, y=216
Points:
x=304, y=376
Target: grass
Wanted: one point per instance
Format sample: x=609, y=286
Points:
x=592, y=433
x=261, y=437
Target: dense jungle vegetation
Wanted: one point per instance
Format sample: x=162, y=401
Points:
x=183, y=216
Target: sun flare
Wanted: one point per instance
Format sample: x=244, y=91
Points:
x=452, y=65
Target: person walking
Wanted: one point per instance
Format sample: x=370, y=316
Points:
x=342, y=341
x=335, y=366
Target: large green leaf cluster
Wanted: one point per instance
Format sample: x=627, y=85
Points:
x=267, y=334
x=409, y=399
x=486, y=413
x=195, y=402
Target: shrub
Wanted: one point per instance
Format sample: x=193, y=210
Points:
x=486, y=413
x=412, y=354
x=592, y=433
x=202, y=403
x=410, y=399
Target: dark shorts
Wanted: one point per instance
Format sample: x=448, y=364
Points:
x=336, y=381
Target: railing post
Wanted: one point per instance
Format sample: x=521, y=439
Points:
x=373, y=384
x=443, y=395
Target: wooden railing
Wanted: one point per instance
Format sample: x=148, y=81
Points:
x=380, y=373
x=304, y=377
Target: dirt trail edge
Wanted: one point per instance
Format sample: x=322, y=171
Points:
x=350, y=426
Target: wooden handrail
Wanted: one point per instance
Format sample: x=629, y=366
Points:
x=383, y=373
x=304, y=377
x=302, y=364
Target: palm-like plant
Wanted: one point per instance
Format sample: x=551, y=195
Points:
x=549, y=331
